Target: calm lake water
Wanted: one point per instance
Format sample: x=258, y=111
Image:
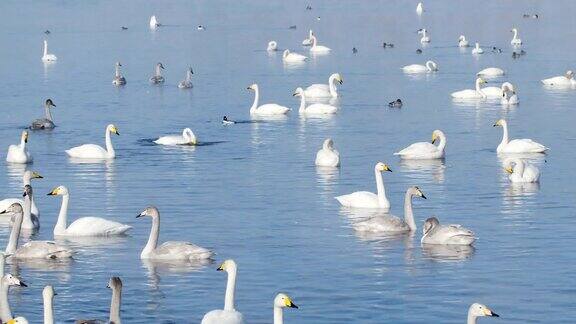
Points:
x=252, y=192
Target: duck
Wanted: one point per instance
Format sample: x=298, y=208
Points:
x=318, y=48
x=18, y=153
x=227, y=121
x=308, y=41
x=93, y=151
x=272, y=46
x=425, y=38
x=476, y=93
x=8, y=280
x=170, y=250
x=365, y=199
x=47, y=58
x=291, y=57
x=26, y=179
x=187, y=82
x=517, y=146
x=228, y=315
x=385, y=45
x=477, y=49
x=434, y=233
x=118, y=80
x=521, y=171
x=478, y=310
x=154, y=22
x=515, y=40
x=201, y=27
x=319, y=90
x=565, y=80
x=313, y=109
x=266, y=109
x=84, y=226
x=491, y=72
x=282, y=301
x=425, y=150
x=157, y=78
x=328, y=156
x=47, y=122
x=462, y=41
x=396, y=103
x=187, y=138
x=430, y=66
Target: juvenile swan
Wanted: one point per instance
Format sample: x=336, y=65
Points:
x=171, y=250
x=313, y=109
x=187, y=82
x=19, y=153
x=523, y=145
x=281, y=301
x=328, y=156
x=478, y=310
x=85, y=226
x=116, y=285
x=365, y=199
x=26, y=179
x=187, y=138
x=228, y=315
x=93, y=151
x=434, y=233
x=157, y=78
x=47, y=122
x=430, y=66
x=425, y=150
x=48, y=57
x=6, y=282
x=320, y=90
x=267, y=109
x=521, y=171
x=118, y=80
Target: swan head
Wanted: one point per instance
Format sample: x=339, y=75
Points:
x=285, y=53
x=15, y=208
x=507, y=86
x=11, y=280
x=283, y=301
x=514, y=30
x=432, y=65
x=49, y=103
x=18, y=320
x=159, y=65
x=228, y=266
x=416, y=192
x=500, y=122
x=59, y=191
x=436, y=135
x=337, y=77
x=462, y=38
x=299, y=92
x=32, y=175
x=48, y=292
x=253, y=87
x=150, y=211
x=189, y=136
x=478, y=310
x=481, y=81
x=511, y=163
x=569, y=74
x=328, y=144
x=381, y=167
x=115, y=283
x=118, y=64
x=24, y=136
x=429, y=224
x=272, y=46
x=27, y=191
x=190, y=70
x=112, y=129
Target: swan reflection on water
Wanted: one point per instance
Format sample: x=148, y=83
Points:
x=447, y=253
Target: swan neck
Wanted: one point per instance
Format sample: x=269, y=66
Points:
x=230, y=290
x=27, y=220
x=62, y=222
x=14, y=235
x=158, y=72
x=115, y=305
x=382, y=200
x=45, y=48
x=22, y=143
x=332, y=86
x=278, y=315
x=408, y=213
x=48, y=310
x=442, y=143
x=504, y=133
x=117, y=71
x=471, y=319
x=47, y=113
x=188, y=76
x=256, y=99
x=519, y=168
x=302, y=103
x=153, y=238
x=5, y=311
x=478, y=88
x=515, y=34
x=109, y=147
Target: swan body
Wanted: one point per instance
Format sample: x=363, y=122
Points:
x=477, y=93
x=6, y=282
x=187, y=138
x=187, y=82
x=319, y=90
x=478, y=310
x=517, y=146
x=425, y=38
x=318, y=48
x=228, y=315
x=509, y=98
x=328, y=156
x=491, y=72
x=85, y=226
x=272, y=46
x=157, y=78
x=434, y=233
x=462, y=41
x=425, y=150
x=308, y=41
x=477, y=49
x=515, y=40
x=26, y=178
x=281, y=301
x=93, y=151
x=291, y=57
x=267, y=109
x=393, y=223
x=498, y=92
x=171, y=250
x=365, y=199
x=430, y=66
x=313, y=109
x=46, y=57
x=419, y=8
x=118, y=80
x=154, y=22
x=46, y=122
x=566, y=80
x=521, y=171
x=19, y=153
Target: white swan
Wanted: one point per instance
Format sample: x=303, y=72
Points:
x=118, y=80
x=308, y=41
x=462, y=41
x=318, y=48
x=425, y=38
x=187, y=138
x=272, y=46
x=523, y=145
x=425, y=150
x=434, y=233
x=85, y=226
x=32, y=249
x=498, y=92
x=157, y=78
x=28, y=175
x=170, y=250
x=319, y=90
x=471, y=93
x=365, y=199
x=419, y=8
x=291, y=57
x=478, y=310
x=328, y=156
x=267, y=109
x=154, y=22
x=393, y=223
x=114, y=318
x=515, y=40
x=281, y=301
x=48, y=299
x=313, y=109
x=566, y=80
x=477, y=49
x=93, y=151
x=187, y=82
x=6, y=282
x=521, y=171
x=509, y=97
x=491, y=72
x=48, y=57
x=430, y=66
x=228, y=315
x=19, y=153
x=29, y=222
x=47, y=122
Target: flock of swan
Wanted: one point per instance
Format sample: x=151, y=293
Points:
x=24, y=216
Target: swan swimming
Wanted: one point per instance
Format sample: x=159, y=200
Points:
x=187, y=138
x=228, y=315
x=26, y=179
x=308, y=41
x=425, y=38
x=328, y=156
x=272, y=46
x=517, y=146
x=47, y=122
x=566, y=80
x=478, y=310
x=393, y=223
x=291, y=57
x=19, y=153
x=462, y=41
x=365, y=199
x=115, y=283
x=430, y=66
x=521, y=171
x=187, y=82
x=498, y=92
x=319, y=90
x=425, y=150
x=318, y=48
x=509, y=97
x=477, y=49
x=93, y=151
x=281, y=301
x=157, y=78
x=154, y=22
x=266, y=109
x=6, y=282
x=476, y=93
x=515, y=40
x=419, y=8
x=46, y=58
x=84, y=226
x=491, y=72
x=169, y=250
x=434, y=233
x=29, y=222
x=118, y=80
x=313, y=109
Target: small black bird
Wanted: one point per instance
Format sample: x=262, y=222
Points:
x=395, y=104
x=46, y=32
x=354, y=50
x=496, y=50
x=418, y=51
x=308, y=7
x=292, y=27
x=387, y=45
x=124, y=28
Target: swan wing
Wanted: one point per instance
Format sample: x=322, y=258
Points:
x=420, y=149
x=491, y=72
x=466, y=94
x=359, y=199
x=220, y=316
x=455, y=234
x=386, y=223
x=42, y=123
x=318, y=90
x=557, y=81
x=181, y=250
x=42, y=250
x=96, y=226
x=88, y=151
x=492, y=92
x=525, y=145
x=272, y=109
x=171, y=140
x=414, y=68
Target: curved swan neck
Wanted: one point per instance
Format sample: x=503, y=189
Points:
x=158, y=71
x=505, y=132
x=302, y=103
x=478, y=88
x=23, y=142
x=14, y=234
x=256, y=99
x=115, y=305
x=62, y=222
x=5, y=311
x=515, y=31
x=230, y=290
x=278, y=315
x=332, y=85
x=519, y=167
x=47, y=112
x=382, y=199
x=48, y=310
x=189, y=75
x=442, y=143
x=109, y=146
x=153, y=238
x=408, y=213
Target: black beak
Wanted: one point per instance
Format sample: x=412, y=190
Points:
x=4, y=212
x=424, y=196
x=22, y=284
x=249, y=88
x=293, y=305
x=495, y=315
x=139, y=215
x=340, y=81
x=389, y=170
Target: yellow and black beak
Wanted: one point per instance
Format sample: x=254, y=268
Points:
x=509, y=170
x=488, y=312
x=291, y=304
x=433, y=140
x=37, y=175
x=221, y=267
x=54, y=192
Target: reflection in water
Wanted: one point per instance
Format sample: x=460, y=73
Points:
x=48, y=66
x=447, y=253
x=97, y=243
x=327, y=180
x=15, y=174
x=155, y=268
x=423, y=169
x=59, y=266
x=294, y=65
x=91, y=169
x=516, y=193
